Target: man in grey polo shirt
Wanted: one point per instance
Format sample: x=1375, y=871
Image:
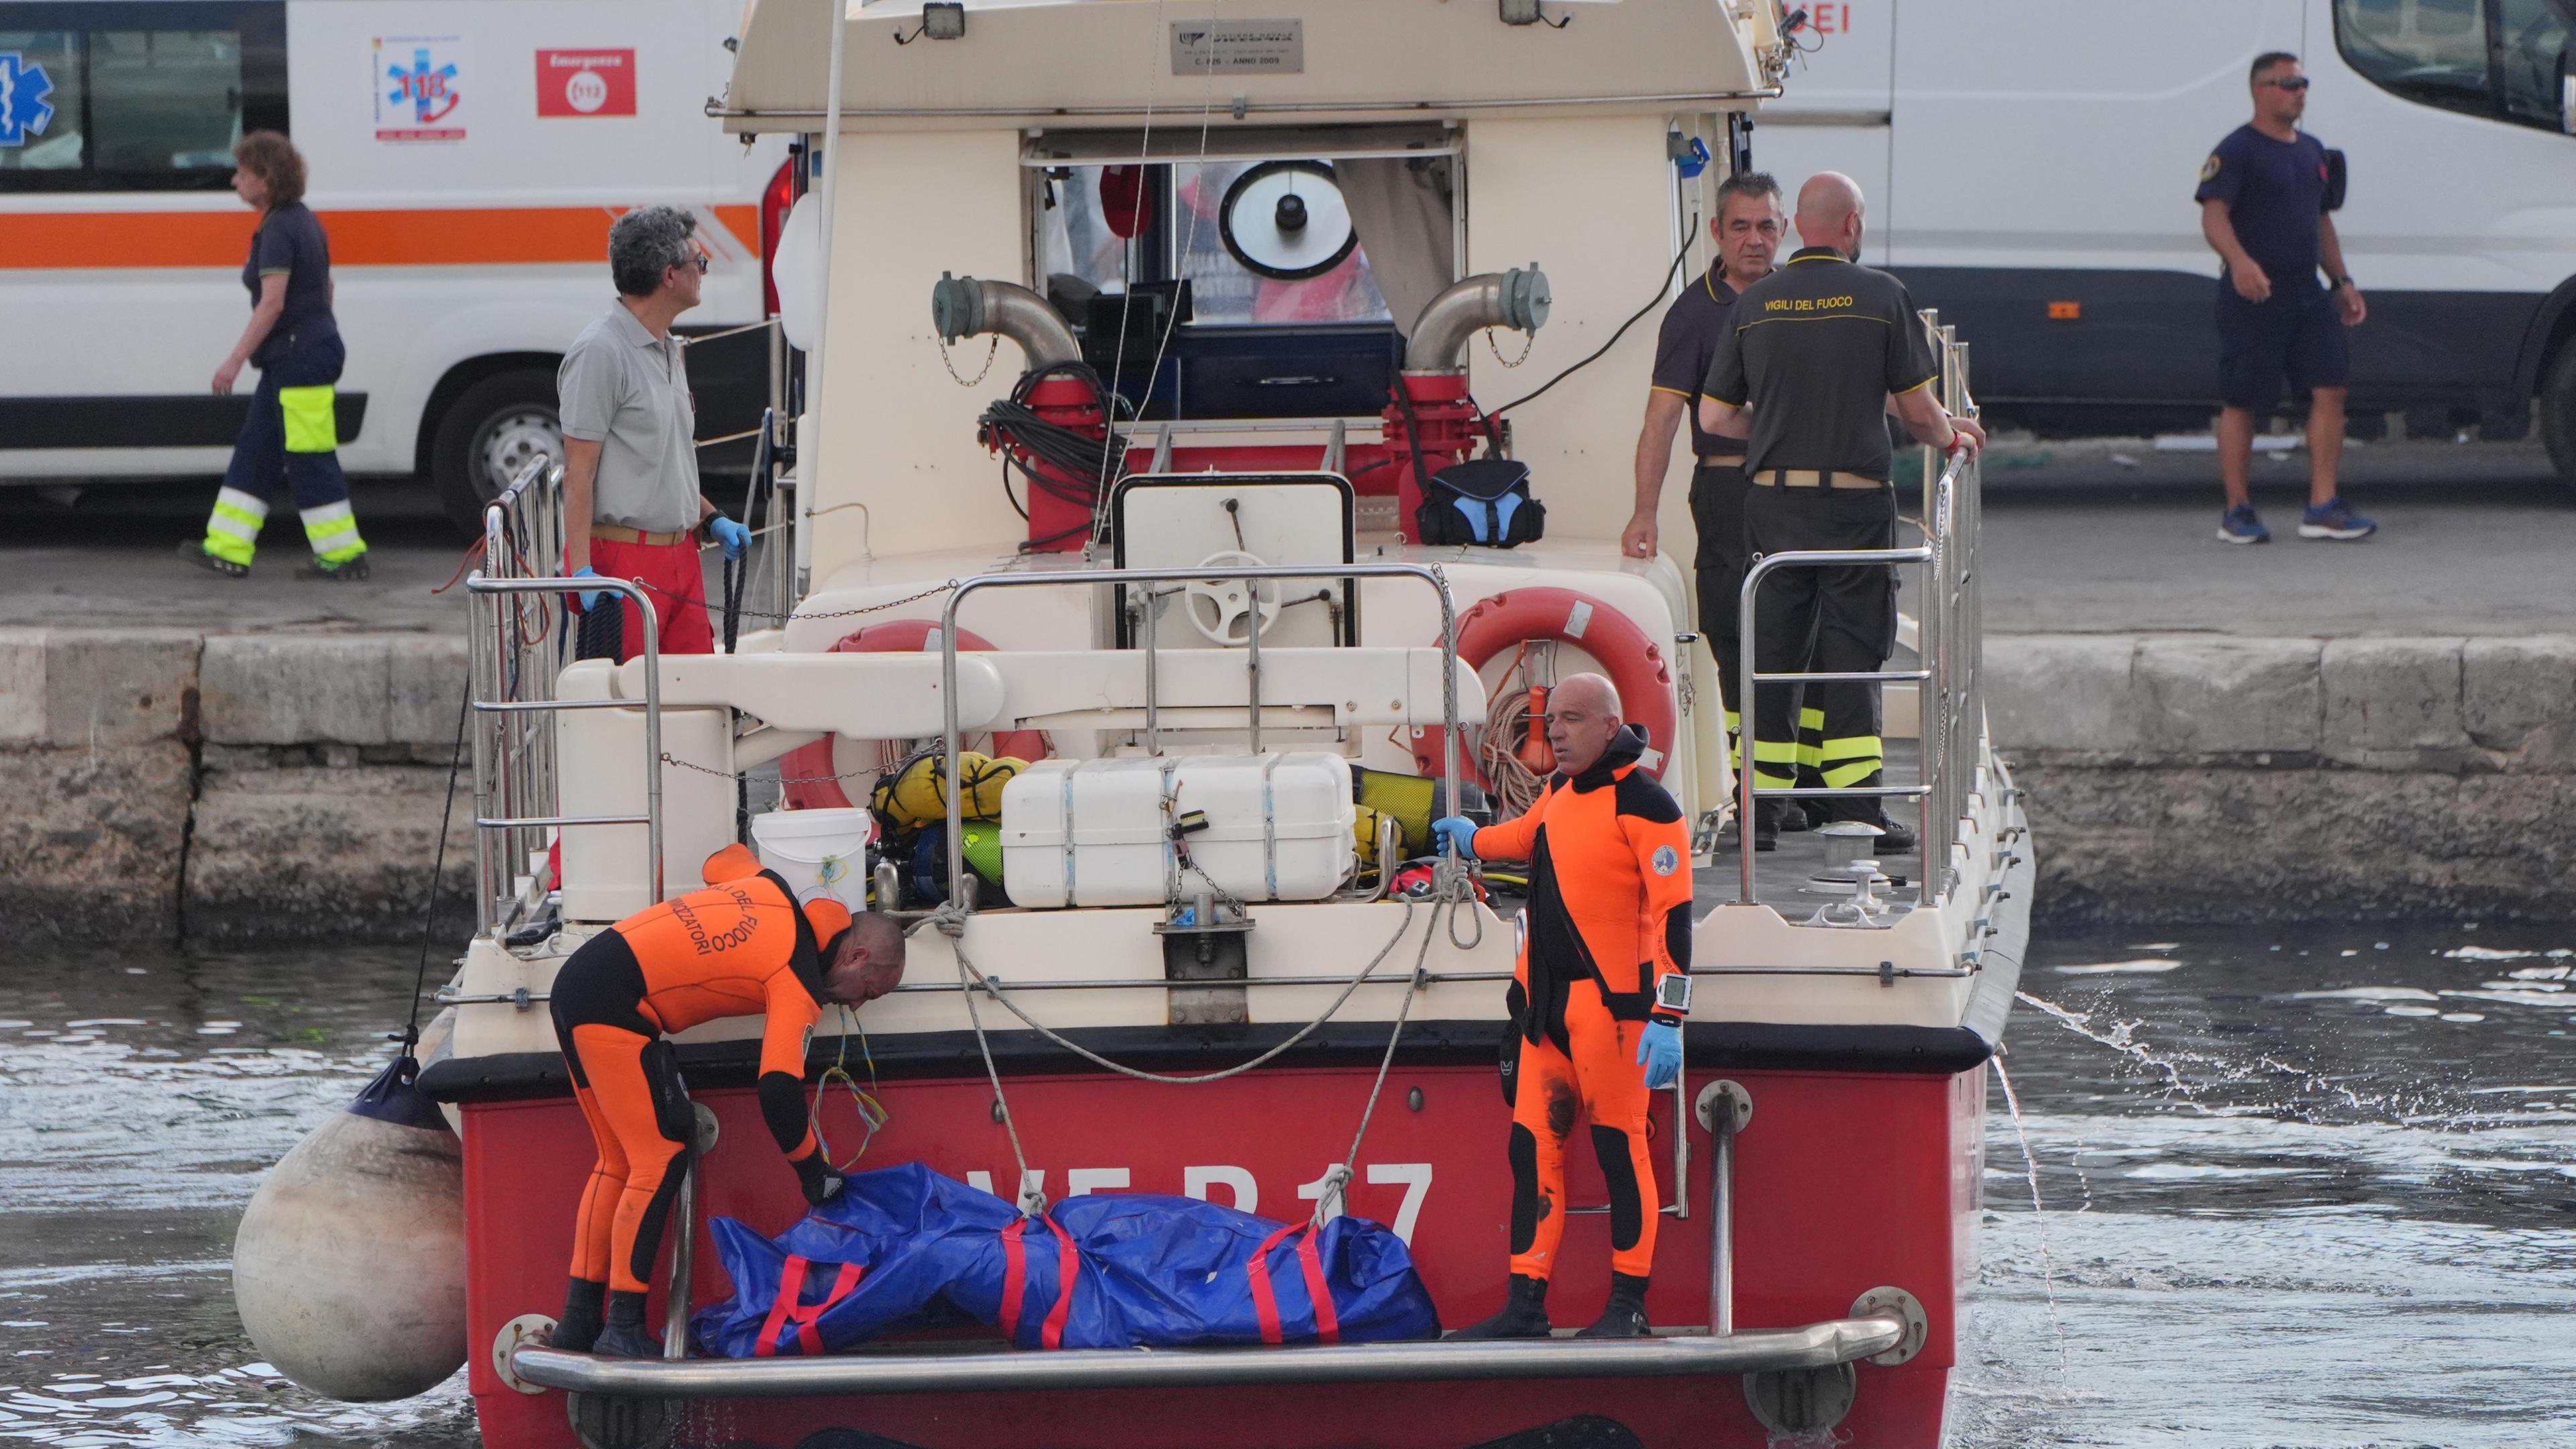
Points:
x=631, y=499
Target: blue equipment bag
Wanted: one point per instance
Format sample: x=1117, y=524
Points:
x=904, y=1248
x=1484, y=501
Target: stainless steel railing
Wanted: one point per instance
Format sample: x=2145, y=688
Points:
x=1949, y=649
x=516, y=640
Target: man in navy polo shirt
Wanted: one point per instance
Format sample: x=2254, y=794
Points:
x=2263, y=207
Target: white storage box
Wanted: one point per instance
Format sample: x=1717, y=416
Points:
x=817, y=852
x=1095, y=832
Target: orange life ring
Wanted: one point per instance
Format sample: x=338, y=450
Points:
x=813, y=765
x=1634, y=662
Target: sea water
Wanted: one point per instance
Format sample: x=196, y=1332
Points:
x=2298, y=1187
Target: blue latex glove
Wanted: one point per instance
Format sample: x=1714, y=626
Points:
x=1455, y=830
x=1660, y=1050
x=588, y=597
x=732, y=535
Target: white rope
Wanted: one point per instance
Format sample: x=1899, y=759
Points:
x=954, y=929
x=1338, y=1177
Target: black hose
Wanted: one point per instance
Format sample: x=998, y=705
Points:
x=1014, y=425
x=1690, y=235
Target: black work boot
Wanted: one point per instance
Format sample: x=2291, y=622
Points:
x=1523, y=1316
x=194, y=552
x=624, y=1335
x=347, y=571
x=1626, y=1315
x=579, y=1326
x=1766, y=825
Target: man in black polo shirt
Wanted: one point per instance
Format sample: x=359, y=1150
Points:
x=1748, y=230
x=1819, y=353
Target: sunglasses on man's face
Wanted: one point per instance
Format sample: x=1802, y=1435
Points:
x=700, y=261
x=2289, y=83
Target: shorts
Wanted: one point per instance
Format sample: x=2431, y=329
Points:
x=2296, y=334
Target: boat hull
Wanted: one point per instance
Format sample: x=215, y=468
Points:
x=1845, y=1181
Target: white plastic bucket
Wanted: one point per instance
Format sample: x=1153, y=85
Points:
x=818, y=852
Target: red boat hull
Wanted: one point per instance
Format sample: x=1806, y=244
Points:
x=1844, y=1182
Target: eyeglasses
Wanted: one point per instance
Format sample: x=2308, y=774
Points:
x=2288, y=83
x=701, y=261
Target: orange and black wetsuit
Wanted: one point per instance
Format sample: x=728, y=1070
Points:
x=742, y=947
x=1609, y=915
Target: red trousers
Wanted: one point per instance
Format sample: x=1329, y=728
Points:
x=672, y=579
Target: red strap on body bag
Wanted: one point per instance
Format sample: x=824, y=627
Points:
x=1265, y=1302
x=786, y=1309
x=1015, y=1282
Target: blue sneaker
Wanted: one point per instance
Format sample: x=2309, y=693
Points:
x=2240, y=524
x=2331, y=519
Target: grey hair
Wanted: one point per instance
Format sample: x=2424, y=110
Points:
x=1747, y=183
x=646, y=242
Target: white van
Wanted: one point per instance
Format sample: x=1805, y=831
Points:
x=466, y=158
x=2030, y=165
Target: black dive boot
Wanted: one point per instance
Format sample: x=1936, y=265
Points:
x=579, y=1326
x=1626, y=1315
x=624, y=1336
x=1523, y=1316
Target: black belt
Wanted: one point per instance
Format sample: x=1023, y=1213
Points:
x=1814, y=478
x=1730, y=460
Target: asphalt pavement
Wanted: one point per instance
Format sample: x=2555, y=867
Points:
x=2105, y=536
x=2099, y=535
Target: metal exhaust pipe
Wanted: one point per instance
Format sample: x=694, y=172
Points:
x=968, y=307
x=1438, y=343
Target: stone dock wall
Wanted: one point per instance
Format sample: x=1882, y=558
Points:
x=163, y=784
x=2199, y=777
x=160, y=784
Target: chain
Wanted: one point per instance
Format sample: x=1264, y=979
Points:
x=978, y=379
x=929, y=593
x=670, y=759
x=1528, y=341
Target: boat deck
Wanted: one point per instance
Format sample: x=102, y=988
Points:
x=1781, y=875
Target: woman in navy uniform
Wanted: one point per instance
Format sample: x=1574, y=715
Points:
x=291, y=434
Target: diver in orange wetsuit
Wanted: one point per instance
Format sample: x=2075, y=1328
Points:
x=1598, y=999
x=743, y=947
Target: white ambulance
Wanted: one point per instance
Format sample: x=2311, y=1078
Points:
x=2030, y=166
x=466, y=158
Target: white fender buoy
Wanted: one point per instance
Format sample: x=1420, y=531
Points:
x=349, y=1269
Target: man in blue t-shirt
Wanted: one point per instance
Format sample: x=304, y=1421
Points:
x=2264, y=209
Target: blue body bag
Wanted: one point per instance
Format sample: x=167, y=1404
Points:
x=904, y=1249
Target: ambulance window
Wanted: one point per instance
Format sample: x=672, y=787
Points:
x=119, y=97
x=2498, y=58
x=40, y=103
x=164, y=100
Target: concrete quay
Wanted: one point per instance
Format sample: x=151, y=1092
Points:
x=2220, y=778
x=163, y=784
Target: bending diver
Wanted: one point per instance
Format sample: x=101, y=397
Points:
x=743, y=947
x=1598, y=998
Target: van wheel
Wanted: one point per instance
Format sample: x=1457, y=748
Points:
x=2558, y=413
x=487, y=435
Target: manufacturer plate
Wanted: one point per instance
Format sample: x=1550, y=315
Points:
x=1239, y=47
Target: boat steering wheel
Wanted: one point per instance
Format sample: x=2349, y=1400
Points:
x=1235, y=609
